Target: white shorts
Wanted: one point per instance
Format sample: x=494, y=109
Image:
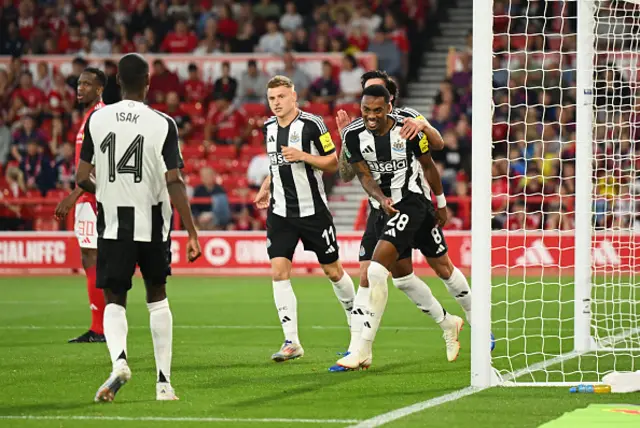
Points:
x=85, y=226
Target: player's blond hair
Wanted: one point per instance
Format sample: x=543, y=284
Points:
x=277, y=81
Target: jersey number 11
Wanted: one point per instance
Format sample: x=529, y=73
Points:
x=125, y=165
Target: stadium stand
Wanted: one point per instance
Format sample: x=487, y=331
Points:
x=219, y=114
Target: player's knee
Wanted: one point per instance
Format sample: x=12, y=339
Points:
x=280, y=274
x=115, y=298
x=156, y=293
x=333, y=271
x=442, y=266
x=402, y=268
x=364, y=280
x=89, y=257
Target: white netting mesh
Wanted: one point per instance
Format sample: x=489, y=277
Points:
x=534, y=190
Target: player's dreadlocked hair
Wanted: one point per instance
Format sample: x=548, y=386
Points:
x=133, y=73
x=388, y=82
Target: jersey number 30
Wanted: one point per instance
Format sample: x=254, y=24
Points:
x=131, y=160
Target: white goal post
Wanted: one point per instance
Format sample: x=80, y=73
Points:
x=556, y=197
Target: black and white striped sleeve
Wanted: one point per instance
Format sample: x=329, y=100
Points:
x=321, y=137
x=171, y=148
x=351, y=141
x=87, y=148
x=419, y=145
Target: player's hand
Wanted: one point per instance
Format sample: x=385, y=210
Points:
x=193, y=249
x=342, y=120
x=411, y=128
x=262, y=199
x=388, y=208
x=293, y=155
x=442, y=215
x=64, y=207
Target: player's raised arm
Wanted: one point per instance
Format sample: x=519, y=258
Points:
x=414, y=125
x=344, y=169
x=84, y=180
x=432, y=175
x=177, y=189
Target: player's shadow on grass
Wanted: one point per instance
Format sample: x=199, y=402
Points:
x=320, y=380
x=47, y=408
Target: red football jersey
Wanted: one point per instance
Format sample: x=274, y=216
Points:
x=86, y=197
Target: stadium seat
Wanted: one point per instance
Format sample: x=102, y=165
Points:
x=255, y=109
x=248, y=152
x=256, y=138
x=320, y=109
x=192, y=151
x=159, y=107
x=352, y=109
x=221, y=151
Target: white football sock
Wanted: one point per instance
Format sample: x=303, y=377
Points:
x=286, y=304
x=459, y=289
x=161, y=323
x=420, y=294
x=345, y=292
x=115, y=331
x=378, y=295
x=360, y=305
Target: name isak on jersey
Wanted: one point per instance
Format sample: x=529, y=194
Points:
x=387, y=166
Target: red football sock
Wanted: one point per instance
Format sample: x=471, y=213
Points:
x=96, y=301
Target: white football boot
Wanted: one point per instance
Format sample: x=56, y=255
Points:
x=451, y=325
x=355, y=361
x=289, y=351
x=165, y=392
x=120, y=375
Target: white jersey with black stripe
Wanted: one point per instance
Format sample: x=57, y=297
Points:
x=297, y=189
x=132, y=147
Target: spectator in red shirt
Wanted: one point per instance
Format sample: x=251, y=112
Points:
x=61, y=97
x=13, y=216
x=519, y=219
x=358, y=38
x=227, y=26
x=181, y=40
x=163, y=81
x=225, y=124
x=70, y=41
x=26, y=19
x=32, y=96
x=194, y=89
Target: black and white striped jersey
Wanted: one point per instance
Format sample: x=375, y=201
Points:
x=132, y=147
x=415, y=114
x=391, y=159
x=297, y=189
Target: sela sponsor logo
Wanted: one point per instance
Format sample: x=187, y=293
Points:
x=33, y=252
x=387, y=166
x=277, y=159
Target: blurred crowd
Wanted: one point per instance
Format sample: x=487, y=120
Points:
x=534, y=130
x=219, y=121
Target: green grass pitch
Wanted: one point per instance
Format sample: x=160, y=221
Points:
x=225, y=331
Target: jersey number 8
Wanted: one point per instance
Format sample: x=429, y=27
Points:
x=125, y=165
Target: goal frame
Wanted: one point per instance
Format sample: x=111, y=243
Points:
x=482, y=373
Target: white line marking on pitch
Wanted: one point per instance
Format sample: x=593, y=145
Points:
x=235, y=327
x=393, y=415
x=168, y=419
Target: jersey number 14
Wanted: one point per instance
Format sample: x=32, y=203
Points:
x=131, y=160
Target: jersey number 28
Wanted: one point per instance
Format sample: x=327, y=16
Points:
x=126, y=165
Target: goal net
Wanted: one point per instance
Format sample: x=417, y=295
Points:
x=565, y=279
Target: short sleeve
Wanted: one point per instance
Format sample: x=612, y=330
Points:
x=352, y=147
x=420, y=145
x=171, y=149
x=87, y=148
x=321, y=137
